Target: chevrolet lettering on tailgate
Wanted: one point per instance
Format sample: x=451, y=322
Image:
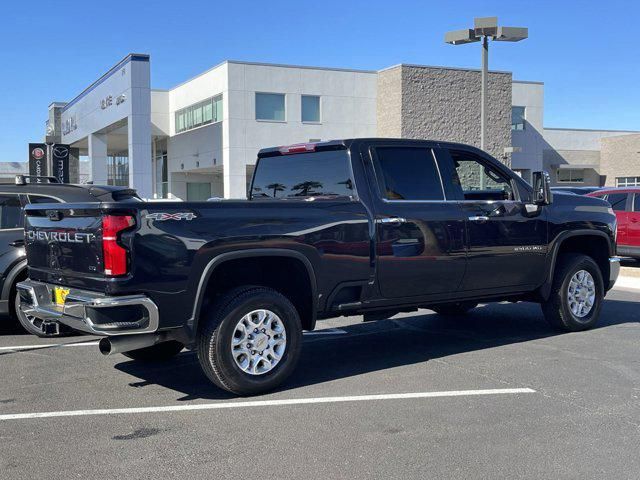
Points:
x=68, y=237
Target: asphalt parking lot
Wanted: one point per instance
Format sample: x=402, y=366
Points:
x=495, y=394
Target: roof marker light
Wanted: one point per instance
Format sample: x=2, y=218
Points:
x=297, y=148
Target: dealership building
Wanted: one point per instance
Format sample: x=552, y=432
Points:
x=200, y=139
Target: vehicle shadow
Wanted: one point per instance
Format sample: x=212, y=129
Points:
x=9, y=326
x=377, y=346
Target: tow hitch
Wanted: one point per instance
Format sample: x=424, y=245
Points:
x=50, y=328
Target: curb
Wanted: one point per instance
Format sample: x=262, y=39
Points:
x=630, y=272
x=626, y=281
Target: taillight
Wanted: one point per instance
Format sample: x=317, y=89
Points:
x=114, y=255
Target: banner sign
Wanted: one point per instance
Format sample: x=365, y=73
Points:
x=38, y=160
x=60, y=162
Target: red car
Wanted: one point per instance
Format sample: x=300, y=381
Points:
x=626, y=203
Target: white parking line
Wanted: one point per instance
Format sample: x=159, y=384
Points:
x=50, y=345
x=327, y=331
x=264, y=403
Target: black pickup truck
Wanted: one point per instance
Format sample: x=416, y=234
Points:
x=367, y=227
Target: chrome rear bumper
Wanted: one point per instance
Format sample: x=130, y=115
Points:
x=90, y=312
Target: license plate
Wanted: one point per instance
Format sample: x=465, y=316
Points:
x=60, y=295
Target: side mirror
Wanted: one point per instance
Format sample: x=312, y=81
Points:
x=542, y=194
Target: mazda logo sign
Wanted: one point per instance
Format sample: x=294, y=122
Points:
x=60, y=152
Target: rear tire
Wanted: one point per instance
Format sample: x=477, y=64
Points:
x=249, y=341
x=453, y=309
x=156, y=353
x=576, y=294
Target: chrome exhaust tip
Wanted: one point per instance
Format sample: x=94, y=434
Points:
x=125, y=343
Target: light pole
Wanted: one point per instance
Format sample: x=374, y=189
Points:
x=483, y=29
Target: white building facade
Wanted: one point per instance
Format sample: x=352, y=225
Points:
x=200, y=139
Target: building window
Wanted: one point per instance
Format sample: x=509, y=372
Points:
x=201, y=113
x=161, y=170
x=627, y=181
x=311, y=108
x=270, y=107
x=118, y=170
x=517, y=118
x=198, y=191
x=570, y=175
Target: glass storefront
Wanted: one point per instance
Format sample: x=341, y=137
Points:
x=118, y=170
x=161, y=170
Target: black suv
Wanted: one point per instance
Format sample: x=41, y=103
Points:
x=13, y=261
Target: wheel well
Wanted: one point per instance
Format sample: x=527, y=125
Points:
x=287, y=275
x=596, y=247
x=21, y=275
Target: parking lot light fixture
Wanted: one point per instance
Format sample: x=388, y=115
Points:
x=485, y=28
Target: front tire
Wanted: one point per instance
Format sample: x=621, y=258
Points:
x=250, y=340
x=577, y=294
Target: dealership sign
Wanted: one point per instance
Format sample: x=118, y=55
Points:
x=108, y=101
x=69, y=125
x=38, y=160
x=60, y=162
x=39, y=165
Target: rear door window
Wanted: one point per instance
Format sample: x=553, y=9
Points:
x=618, y=201
x=11, y=214
x=636, y=203
x=303, y=175
x=407, y=173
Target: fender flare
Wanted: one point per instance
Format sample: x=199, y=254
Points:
x=11, y=278
x=218, y=260
x=545, y=288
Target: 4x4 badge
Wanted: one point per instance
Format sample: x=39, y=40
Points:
x=162, y=216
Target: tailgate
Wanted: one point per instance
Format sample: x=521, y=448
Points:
x=74, y=245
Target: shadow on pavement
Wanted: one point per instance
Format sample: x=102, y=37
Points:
x=9, y=326
x=377, y=346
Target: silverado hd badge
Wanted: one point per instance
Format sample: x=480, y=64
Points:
x=162, y=216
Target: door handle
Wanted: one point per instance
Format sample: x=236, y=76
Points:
x=634, y=220
x=17, y=243
x=479, y=219
x=394, y=221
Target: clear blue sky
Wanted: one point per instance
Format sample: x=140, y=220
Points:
x=586, y=52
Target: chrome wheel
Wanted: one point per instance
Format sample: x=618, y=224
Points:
x=259, y=341
x=581, y=293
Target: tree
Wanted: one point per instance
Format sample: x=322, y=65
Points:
x=306, y=188
x=276, y=187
